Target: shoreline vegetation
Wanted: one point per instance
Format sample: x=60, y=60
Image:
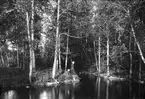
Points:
x=15, y=77
x=121, y=75
x=45, y=79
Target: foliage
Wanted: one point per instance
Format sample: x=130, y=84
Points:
x=67, y=76
x=40, y=77
x=117, y=54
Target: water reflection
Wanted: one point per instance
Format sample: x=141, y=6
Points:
x=90, y=87
x=93, y=88
x=97, y=87
x=11, y=94
x=45, y=95
x=107, y=90
x=130, y=91
x=64, y=91
x=30, y=96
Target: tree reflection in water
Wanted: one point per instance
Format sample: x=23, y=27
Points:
x=97, y=87
x=89, y=88
x=45, y=95
x=65, y=91
x=130, y=90
x=107, y=90
x=11, y=94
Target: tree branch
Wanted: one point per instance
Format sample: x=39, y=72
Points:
x=6, y=12
x=71, y=36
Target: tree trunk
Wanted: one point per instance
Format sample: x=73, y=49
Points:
x=138, y=45
x=32, y=35
x=7, y=60
x=84, y=49
x=17, y=55
x=107, y=54
x=134, y=55
x=30, y=47
x=23, y=66
x=139, y=69
x=66, y=58
x=95, y=55
x=59, y=56
x=55, y=64
x=130, y=54
x=99, y=53
x=2, y=59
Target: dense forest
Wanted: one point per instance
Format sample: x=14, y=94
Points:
x=47, y=38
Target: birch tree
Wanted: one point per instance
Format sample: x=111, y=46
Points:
x=67, y=49
x=130, y=55
x=29, y=38
x=109, y=17
x=55, y=63
x=132, y=14
x=32, y=55
x=24, y=7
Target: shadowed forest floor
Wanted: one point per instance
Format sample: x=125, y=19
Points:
x=13, y=77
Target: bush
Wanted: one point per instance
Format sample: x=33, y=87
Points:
x=66, y=76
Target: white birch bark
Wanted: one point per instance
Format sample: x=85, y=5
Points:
x=29, y=38
x=138, y=45
x=66, y=58
x=32, y=34
x=108, y=54
x=95, y=54
x=130, y=56
x=99, y=53
x=55, y=64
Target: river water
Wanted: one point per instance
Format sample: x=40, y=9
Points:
x=90, y=87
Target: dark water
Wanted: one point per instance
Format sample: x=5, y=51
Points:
x=90, y=87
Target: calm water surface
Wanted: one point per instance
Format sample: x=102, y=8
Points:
x=90, y=87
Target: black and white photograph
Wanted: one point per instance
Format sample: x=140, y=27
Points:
x=72, y=49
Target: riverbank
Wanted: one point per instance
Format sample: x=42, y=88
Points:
x=16, y=77
x=13, y=77
x=91, y=87
x=44, y=78
x=122, y=75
